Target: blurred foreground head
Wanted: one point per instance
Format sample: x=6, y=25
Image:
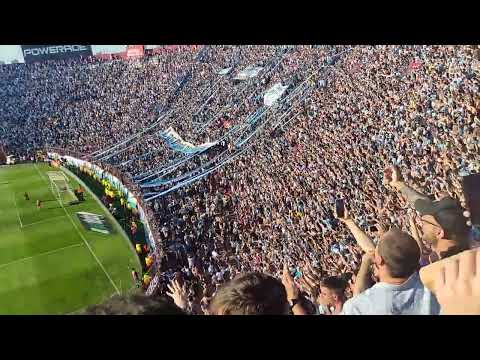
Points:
x=136, y=304
x=251, y=294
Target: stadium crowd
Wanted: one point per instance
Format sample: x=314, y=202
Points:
x=379, y=122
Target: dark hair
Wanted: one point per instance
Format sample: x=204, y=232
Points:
x=135, y=304
x=400, y=252
x=306, y=304
x=251, y=294
x=335, y=283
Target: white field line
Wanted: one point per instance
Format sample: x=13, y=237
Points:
x=83, y=238
x=41, y=254
x=38, y=171
x=16, y=209
x=44, y=221
x=110, y=216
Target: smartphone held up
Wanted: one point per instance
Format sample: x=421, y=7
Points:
x=340, y=208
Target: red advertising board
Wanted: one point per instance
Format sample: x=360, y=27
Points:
x=135, y=51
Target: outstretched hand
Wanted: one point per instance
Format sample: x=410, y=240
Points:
x=392, y=175
x=290, y=286
x=178, y=294
x=457, y=285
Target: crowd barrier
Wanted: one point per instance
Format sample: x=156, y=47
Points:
x=116, y=184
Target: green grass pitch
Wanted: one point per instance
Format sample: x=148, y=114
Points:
x=49, y=263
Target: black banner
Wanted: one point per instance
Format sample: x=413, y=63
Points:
x=33, y=53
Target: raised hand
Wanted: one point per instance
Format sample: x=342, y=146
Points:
x=381, y=228
x=392, y=175
x=457, y=285
x=290, y=286
x=178, y=294
x=346, y=215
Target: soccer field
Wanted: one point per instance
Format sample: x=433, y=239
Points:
x=49, y=262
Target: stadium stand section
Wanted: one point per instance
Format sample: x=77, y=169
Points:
x=237, y=155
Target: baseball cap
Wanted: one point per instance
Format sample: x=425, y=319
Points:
x=447, y=212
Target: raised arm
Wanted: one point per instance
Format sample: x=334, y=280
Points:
x=393, y=177
x=292, y=293
x=362, y=282
x=363, y=240
x=415, y=234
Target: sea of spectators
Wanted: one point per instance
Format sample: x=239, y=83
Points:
x=412, y=106
x=271, y=210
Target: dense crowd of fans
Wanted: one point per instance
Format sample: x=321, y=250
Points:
x=376, y=123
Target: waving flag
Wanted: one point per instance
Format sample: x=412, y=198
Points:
x=274, y=93
x=175, y=142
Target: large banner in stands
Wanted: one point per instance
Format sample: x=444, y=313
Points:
x=224, y=71
x=274, y=93
x=175, y=142
x=116, y=183
x=33, y=53
x=248, y=72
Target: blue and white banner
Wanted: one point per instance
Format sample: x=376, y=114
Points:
x=248, y=72
x=175, y=142
x=224, y=71
x=274, y=93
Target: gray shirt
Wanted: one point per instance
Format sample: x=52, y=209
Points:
x=409, y=298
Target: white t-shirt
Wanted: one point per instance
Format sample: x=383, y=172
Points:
x=409, y=298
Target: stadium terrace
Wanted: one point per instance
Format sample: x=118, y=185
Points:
x=241, y=180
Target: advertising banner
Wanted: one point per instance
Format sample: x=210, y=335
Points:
x=102, y=174
x=33, y=53
x=135, y=51
x=94, y=222
x=108, y=49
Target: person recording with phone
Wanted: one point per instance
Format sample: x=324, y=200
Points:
x=394, y=261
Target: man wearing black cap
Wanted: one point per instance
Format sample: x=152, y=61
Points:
x=395, y=263
x=443, y=224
